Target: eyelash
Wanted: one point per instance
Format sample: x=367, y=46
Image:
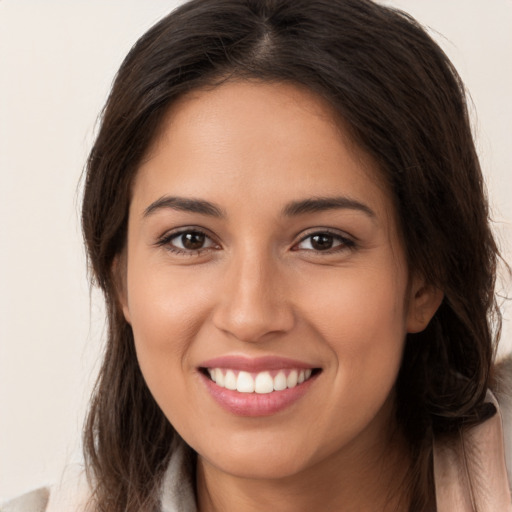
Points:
x=166, y=240
x=345, y=243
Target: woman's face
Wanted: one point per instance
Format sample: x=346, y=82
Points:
x=263, y=249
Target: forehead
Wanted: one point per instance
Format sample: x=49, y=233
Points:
x=261, y=140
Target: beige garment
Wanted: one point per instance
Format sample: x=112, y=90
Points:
x=470, y=476
x=470, y=473
x=70, y=495
x=34, y=501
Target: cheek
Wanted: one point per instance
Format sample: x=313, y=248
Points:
x=359, y=307
x=361, y=318
x=166, y=313
x=164, y=307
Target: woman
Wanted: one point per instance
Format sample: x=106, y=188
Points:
x=285, y=211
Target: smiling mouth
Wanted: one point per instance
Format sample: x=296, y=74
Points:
x=264, y=382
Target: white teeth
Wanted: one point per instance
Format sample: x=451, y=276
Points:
x=219, y=377
x=280, y=382
x=245, y=383
x=262, y=382
x=230, y=380
x=291, y=381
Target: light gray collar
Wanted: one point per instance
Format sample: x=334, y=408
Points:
x=467, y=474
x=177, y=494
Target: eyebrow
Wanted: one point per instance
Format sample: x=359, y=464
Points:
x=293, y=209
x=320, y=204
x=185, y=205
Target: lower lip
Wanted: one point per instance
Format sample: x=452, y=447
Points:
x=257, y=404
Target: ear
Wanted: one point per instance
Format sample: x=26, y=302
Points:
x=119, y=274
x=424, y=300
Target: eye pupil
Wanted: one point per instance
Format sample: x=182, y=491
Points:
x=322, y=242
x=193, y=241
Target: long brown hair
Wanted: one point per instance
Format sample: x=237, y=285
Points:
x=405, y=105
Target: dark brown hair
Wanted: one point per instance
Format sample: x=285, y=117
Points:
x=404, y=105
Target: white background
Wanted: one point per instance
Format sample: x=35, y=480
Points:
x=57, y=61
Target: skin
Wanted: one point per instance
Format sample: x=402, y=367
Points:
x=259, y=287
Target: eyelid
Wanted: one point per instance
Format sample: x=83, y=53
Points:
x=165, y=240
x=348, y=242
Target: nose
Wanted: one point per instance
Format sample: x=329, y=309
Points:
x=253, y=304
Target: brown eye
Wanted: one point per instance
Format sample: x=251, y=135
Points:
x=322, y=242
x=190, y=241
x=193, y=240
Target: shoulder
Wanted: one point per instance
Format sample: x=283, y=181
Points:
x=72, y=493
x=503, y=381
x=470, y=469
x=34, y=501
x=503, y=392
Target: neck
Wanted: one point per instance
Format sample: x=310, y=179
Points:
x=350, y=480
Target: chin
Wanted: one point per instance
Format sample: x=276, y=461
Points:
x=265, y=465
x=271, y=456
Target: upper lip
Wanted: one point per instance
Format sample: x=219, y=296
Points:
x=256, y=364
